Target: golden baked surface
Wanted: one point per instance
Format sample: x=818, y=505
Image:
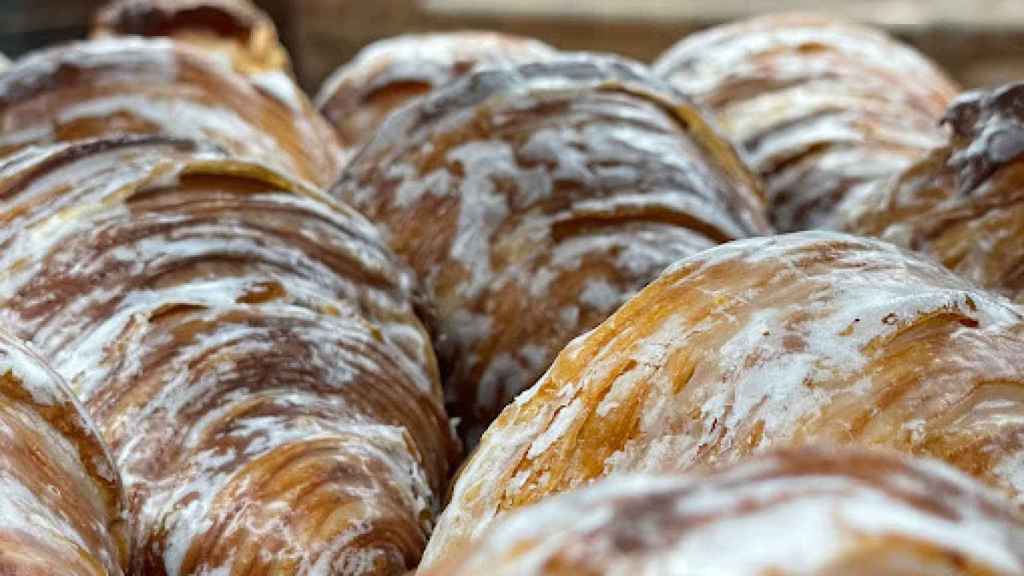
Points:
x=144, y=86
x=533, y=201
x=763, y=343
x=807, y=513
x=821, y=108
x=963, y=204
x=247, y=347
x=62, y=508
x=236, y=29
x=360, y=95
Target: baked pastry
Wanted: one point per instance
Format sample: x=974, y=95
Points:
x=62, y=509
x=236, y=29
x=822, y=108
x=157, y=87
x=533, y=201
x=963, y=204
x=810, y=512
x=390, y=73
x=247, y=347
x=765, y=343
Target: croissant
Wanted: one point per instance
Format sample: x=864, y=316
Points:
x=236, y=29
x=962, y=204
x=384, y=76
x=62, y=509
x=808, y=512
x=247, y=347
x=763, y=343
x=822, y=108
x=533, y=201
x=143, y=86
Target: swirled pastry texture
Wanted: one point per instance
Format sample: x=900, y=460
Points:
x=808, y=513
x=533, y=201
x=247, y=347
x=390, y=73
x=234, y=29
x=126, y=86
x=775, y=342
x=964, y=203
x=822, y=108
x=62, y=508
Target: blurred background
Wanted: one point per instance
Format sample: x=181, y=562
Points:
x=980, y=42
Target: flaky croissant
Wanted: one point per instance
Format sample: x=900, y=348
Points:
x=806, y=513
x=235, y=29
x=533, y=201
x=822, y=108
x=247, y=347
x=62, y=508
x=390, y=73
x=797, y=339
x=145, y=86
x=963, y=204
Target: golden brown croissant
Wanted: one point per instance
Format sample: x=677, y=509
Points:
x=807, y=513
x=822, y=108
x=773, y=342
x=533, y=201
x=62, y=509
x=237, y=29
x=388, y=74
x=964, y=203
x=156, y=87
x=247, y=347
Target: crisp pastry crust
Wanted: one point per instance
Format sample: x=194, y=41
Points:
x=62, y=506
x=763, y=343
x=232, y=29
x=235, y=29
x=390, y=73
x=822, y=108
x=963, y=204
x=533, y=201
x=248, y=348
x=807, y=513
x=146, y=86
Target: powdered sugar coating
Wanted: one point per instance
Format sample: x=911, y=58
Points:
x=809, y=512
x=756, y=344
x=138, y=86
x=235, y=29
x=388, y=74
x=62, y=506
x=533, y=201
x=822, y=108
x=247, y=347
x=962, y=204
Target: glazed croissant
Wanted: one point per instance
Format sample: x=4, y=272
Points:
x=143, y=86
x=533, y=201
x=236, y=29
x=810, y=512
x=384, y=76
x=822, y=108
x=62, y=509
x=963, y=204
x=763, y=343
x=247, y=347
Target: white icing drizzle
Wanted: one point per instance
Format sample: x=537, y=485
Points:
x=761, y=343
x=554, y=192
x=118, y=86
x=793, y=513
x=821, y=107
x=247, y=346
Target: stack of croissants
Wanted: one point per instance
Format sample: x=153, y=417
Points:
x=756, y=309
